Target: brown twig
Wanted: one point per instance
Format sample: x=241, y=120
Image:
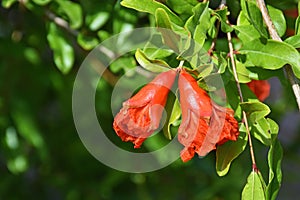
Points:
x=245, y=119
x=274, y=35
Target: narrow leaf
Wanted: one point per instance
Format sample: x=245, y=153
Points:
x=275, y=175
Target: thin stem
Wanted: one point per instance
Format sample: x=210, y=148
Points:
x=61, y=22
x=274, y=35
x=245, y=119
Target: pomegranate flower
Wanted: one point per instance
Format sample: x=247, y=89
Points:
x=204, y=124
x=261, y=88
x=141, y=114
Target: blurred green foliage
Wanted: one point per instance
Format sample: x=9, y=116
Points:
x=42, y=44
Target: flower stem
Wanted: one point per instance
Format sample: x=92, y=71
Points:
x=274, y=35
x=245, y=119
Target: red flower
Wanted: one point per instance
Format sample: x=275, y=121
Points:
x=204, y=123
x=141, y=114
x=261, y=88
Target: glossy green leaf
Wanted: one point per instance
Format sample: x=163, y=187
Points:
x=242, y=19
x=222, y=16
x=294, y=41
x=41, y=2
x=275, y=175
x=278, y=20
x=123, y=63
x=87, y=42
x=246, y=33
x=256, y=110
x=272, y=55
x=8, y=3
x=261, y=130
x=162, y=19
x=73, y=11
x=62, y=50
x=199, y=23
x=182, y=7
x=253, y=190
x=170, y=38
x=151, y=65
x=150, y=6
x=254, y=16
x=173, y=114
x=229, y=151
x=97, y=20
x=243, y=73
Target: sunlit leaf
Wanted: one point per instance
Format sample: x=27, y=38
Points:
x=8, y=3
x=253, y=190
x=294, y=41
x=272, y=55
x=199, y=23
x=255, y=110
x=41, y=2
x=254, y=16
x=278, y=20
x=230, y=150
x=63, y=51
x=87, y=42
x=151, y=65
x=246, y=33
x=150, y=6
x=73, y=11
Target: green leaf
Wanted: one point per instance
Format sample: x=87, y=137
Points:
x=278, y=20
x=8, y=3
x=97, y=20
x=230, y=150
x=253, y=190
x=243, y=73
x=294, y=41
x=41, y=2
x=87, y=42
x=182, y=7
x=170, y=38
x=246, y=33
x=254, y=16
x=261, y=130
x=222, y=16
x=151, y=65
x=173, y=114
x=256, y=110
x=275, y=175
x=272, y=55
x=150, y=6
x=63, y=51
x=297, y=26
x=73, y=11
x=123, y=63
x=162, y=19
x=199, y=23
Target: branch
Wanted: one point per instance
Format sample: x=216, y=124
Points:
x=274, y=35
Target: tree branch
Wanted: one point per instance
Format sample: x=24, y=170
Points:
x=274, y=35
